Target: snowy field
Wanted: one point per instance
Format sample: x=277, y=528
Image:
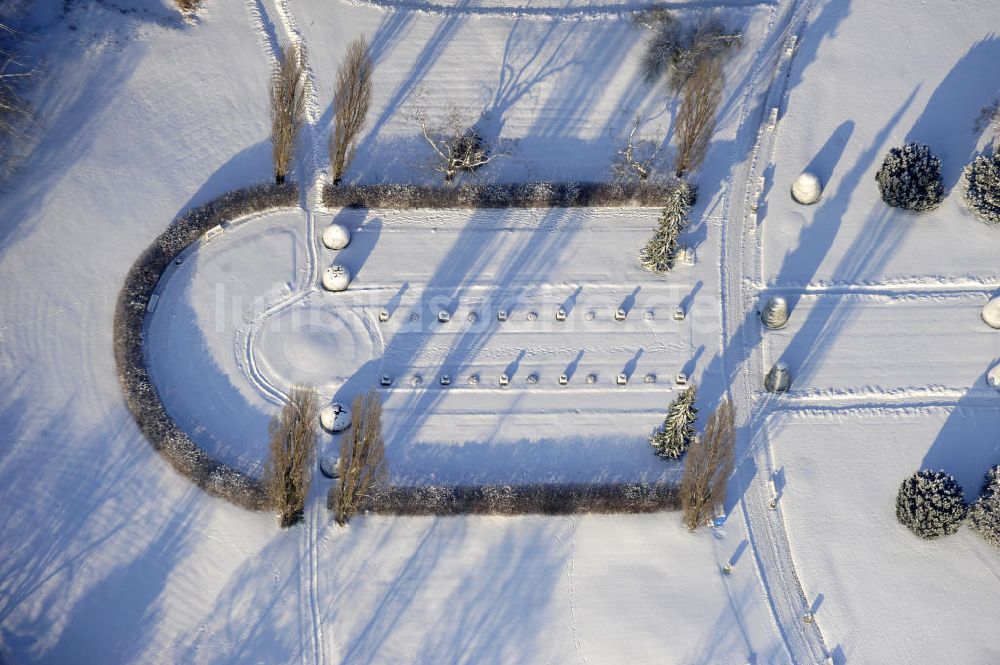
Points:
x=109, y=556
x=414, y=265
x=878, y=591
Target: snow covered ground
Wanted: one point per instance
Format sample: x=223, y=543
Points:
x=108, y=556
x=880, y=593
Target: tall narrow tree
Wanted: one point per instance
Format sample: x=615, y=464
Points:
x=288, y=104
x=672, y=439
x=361, y=467
x=700, y=98
x=287, y=472
x=709, y=464
x=351, y=103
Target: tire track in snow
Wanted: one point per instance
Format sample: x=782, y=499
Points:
x=740, y=252
x=311, y=177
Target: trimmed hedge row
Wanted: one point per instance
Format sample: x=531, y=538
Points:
x=533, y=499
x=141, y=395
x=514, y=195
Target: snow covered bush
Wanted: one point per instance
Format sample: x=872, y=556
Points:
x=141, y=396
x=672, y=439
x=532, y=499
x=984, y=516
x=981, y=187
x=292, y=449
x=660, y=253
x=499, y=195
x=910, y=178
x=930, y=504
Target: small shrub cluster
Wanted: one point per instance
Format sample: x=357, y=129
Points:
x=981, y=187
x=130, y=311
x=492, y=195
x=984, y=517
x=531, y=499
x=930, y=504
x=910, y=178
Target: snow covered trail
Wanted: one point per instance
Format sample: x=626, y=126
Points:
x=741, y=355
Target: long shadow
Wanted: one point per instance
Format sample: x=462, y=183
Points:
x=76, y=91
x=967, y=444
x=968, y=87
x=250, y=165
x=548, y=458
x=424, y=62
x=822, y=27
x=814, y=339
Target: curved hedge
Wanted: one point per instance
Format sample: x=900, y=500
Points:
x=141, y=395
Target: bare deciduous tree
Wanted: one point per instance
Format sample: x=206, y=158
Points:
x=353, y=97
x=458, y=146
x=675, y=49
x=187, y=7
x=638, y=159
x=362, y=465
x=287, y=472
x=709, y=464
x=288, y=103
x=14, y=110
x=700, y=99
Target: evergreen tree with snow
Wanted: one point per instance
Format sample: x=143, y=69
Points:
x=985, y=514
x=930, y=504
x=672, y=439
x=910, y=178
x=981, y=187
x=660, y=252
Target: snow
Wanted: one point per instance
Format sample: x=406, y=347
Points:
x=807, y=189
x=872, y=581
x=336, y=236
x=336, y=277
x=991, y=313
x=109, y=556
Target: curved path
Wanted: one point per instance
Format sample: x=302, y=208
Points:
x=742, y=359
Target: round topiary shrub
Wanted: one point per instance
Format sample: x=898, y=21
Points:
x=981, y=187
x=930, y=504
x=984, y=517
x=910, y=178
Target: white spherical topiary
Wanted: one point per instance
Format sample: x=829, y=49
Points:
x=335, y=417
x=991, y=313
x=807, y=189
x=328, y=464
x=336, y=236
x=336, y=278
x=993, y=378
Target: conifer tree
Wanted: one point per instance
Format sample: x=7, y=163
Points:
x=660, y=252
x=673, y=438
